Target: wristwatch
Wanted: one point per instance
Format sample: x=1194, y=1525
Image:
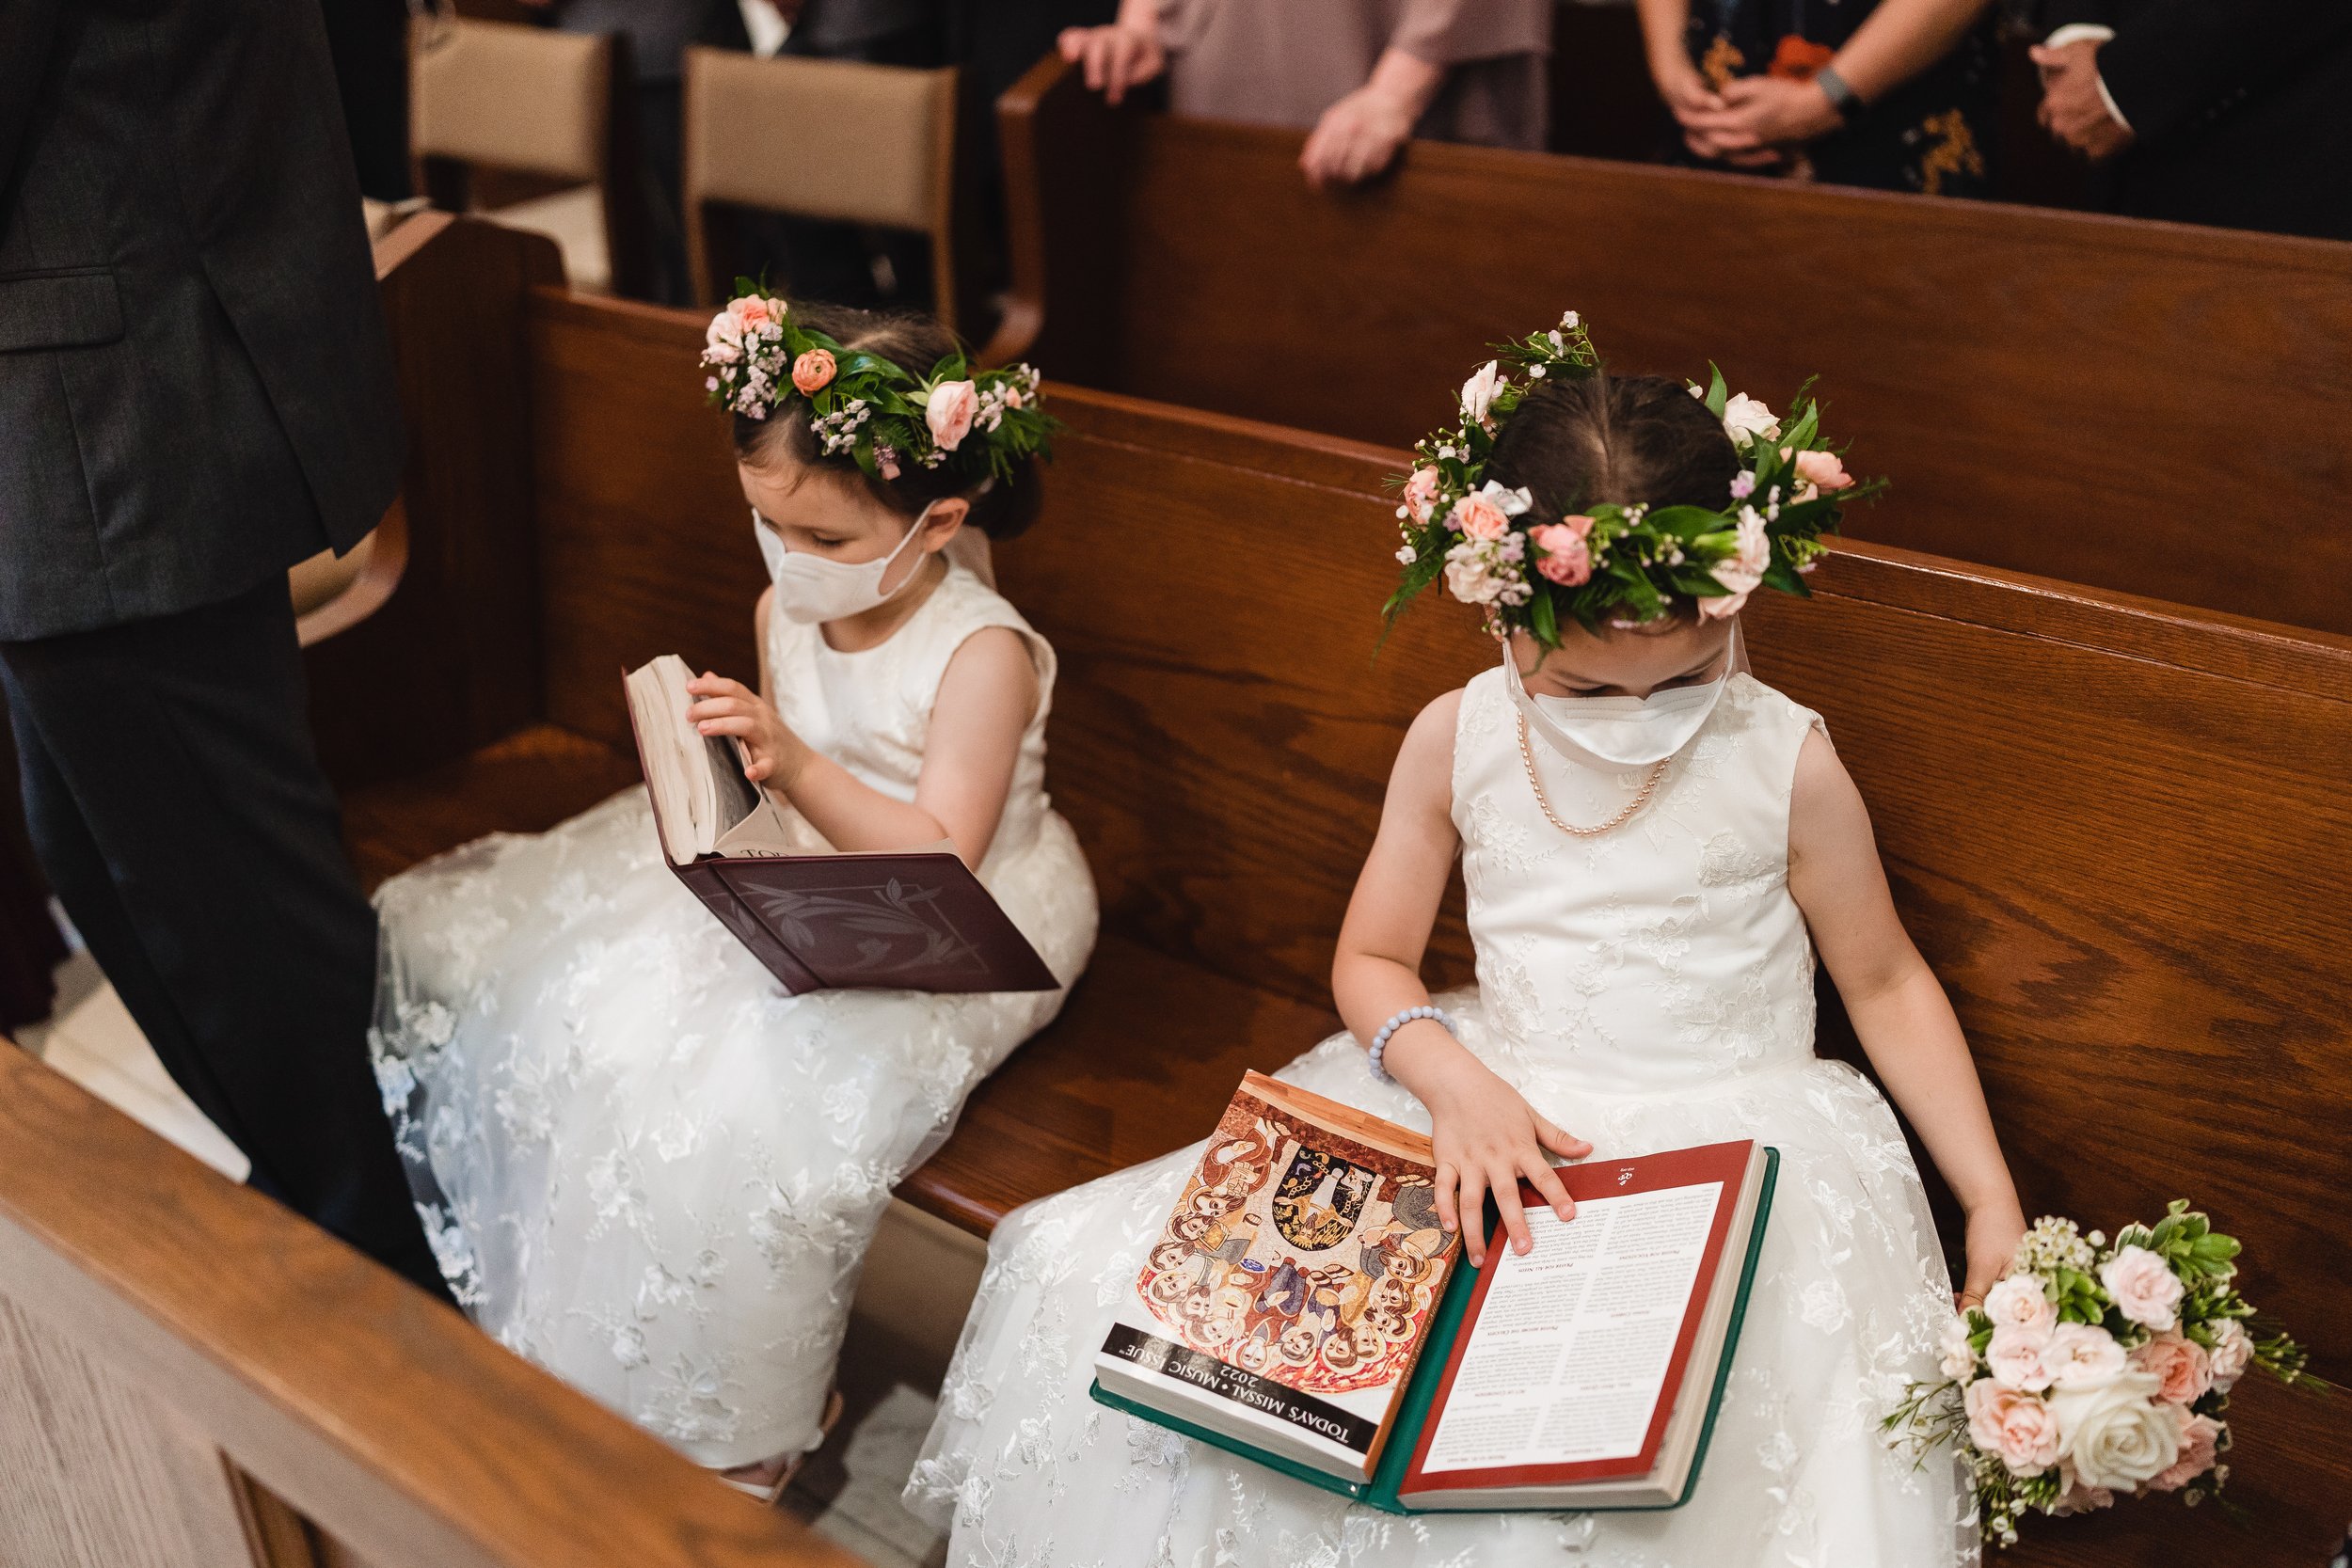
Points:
x=1842, y=98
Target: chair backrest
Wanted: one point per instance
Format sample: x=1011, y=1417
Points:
x=2127, y=404
x=511, y=97
x=191, y=1377
x=867, y=144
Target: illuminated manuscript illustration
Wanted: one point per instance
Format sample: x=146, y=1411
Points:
x=1299, y=1255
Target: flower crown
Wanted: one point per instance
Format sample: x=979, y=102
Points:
x=1626, y=564
x=980, y=422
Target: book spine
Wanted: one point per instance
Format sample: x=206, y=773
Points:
x=1262, y=1396
x=709, y=882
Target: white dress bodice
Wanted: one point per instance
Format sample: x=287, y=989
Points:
x=870, y=710
x=1664, y=954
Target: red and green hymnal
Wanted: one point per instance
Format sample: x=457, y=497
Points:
x=1303, y=1307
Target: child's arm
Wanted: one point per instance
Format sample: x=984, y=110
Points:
x=1487, y=1136
x=984, y=703
x=1899, y=1010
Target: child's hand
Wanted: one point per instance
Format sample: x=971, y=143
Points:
x=772, y=754
x=1487, y=1138
x=1993, y=1233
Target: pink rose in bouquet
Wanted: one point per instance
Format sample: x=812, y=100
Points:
x=2017, y=1426
x=2144, y=1288
x=2201, y=1443
x=2182, y=1368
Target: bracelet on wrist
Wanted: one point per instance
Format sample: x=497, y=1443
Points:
x=1380, y=1041
x=1840, y=94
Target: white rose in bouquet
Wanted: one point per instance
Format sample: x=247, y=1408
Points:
x=2114, y=1434
x=2233, y=1352
x=2143, y=1287
x=2015, y=1358
x=2080, y=1356
x=2020, y=1302
x=1958, y=1355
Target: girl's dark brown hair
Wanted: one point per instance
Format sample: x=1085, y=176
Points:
x=915, y=343
x=1634, y=440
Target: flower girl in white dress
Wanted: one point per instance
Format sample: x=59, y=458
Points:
x=1655, y=845
x=645, y=1166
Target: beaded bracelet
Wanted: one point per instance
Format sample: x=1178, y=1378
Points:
x=1380, y=1041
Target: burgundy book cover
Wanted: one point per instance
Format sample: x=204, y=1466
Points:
x=1681, y=1167
x=910, y=921
x=918, y=920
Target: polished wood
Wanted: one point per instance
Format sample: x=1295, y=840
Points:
x=434, y=649
x=2140, y=407
x=524, y=782
x=160, y=1324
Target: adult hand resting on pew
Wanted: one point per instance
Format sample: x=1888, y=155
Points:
x=1364, y=75
x=650, y=1169
x=1653, y=846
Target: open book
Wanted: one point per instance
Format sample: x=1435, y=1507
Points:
x=1302, y=1308
x=818, y=918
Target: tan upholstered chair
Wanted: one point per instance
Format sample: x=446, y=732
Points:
x=528, y=101
x=866, y=144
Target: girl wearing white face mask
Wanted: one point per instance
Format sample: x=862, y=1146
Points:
x=1655, y=847
x=649, y=1169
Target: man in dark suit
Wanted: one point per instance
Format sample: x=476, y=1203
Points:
x=2227, y=112
x=195, y=391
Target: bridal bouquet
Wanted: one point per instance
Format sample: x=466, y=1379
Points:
x=2095, y=1369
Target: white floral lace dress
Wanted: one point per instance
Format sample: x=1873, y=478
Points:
x=645, y=1165
x=1649, y=989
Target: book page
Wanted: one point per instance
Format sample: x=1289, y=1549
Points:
x=1572, y=1343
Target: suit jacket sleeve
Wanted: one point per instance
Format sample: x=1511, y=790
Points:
x=2175, y=59
x=26, y=29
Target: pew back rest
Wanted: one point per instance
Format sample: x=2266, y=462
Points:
x=191, y=1377
x=2116, y=828
x=2124, y=404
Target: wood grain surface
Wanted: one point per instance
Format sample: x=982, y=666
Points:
x=2142, y=406
x=393, y=1425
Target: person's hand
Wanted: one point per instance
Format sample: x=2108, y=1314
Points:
x=1356, y=138
x=2073, y=109
x=1760, y=117
x=771, y=752
x=1115, y=57
x=1487, y=1136
x=1991, y=1244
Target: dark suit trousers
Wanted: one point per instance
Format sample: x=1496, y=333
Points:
x=176, y=803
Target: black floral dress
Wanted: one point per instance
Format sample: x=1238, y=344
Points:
x=1930, y=135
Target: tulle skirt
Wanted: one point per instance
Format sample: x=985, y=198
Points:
x=643, y=1164
x=1851, y=1293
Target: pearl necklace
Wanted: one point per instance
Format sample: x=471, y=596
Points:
x=1639, y=800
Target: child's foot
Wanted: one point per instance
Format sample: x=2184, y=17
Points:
x=768, y=1479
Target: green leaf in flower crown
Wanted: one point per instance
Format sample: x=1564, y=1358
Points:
x=1718, y=395
x=1540, y=617
x=1783, y=576
x=1685, y=523
x=1800, y=436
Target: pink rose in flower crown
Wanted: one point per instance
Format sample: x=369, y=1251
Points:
x=1566, y=559
x=1823, y=469
x=2020, y=1302
x=812, y=373
x=2015, y=1427
x=750, y=312
x=950, y=412
x=2143, y=1286
x=1479, y=516
x=1420, y=493
x=2014, y=1359
x=2233, y=1352
x=2200, y=1442
x=2182, y=1369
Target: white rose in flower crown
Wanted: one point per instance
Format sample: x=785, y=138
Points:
x=1478, y=392
x=2014, y=1359
x=2081, y=1354
x=2114, y=1434
x=2143, y=1286
x=1745, y=421
x=2020, y=1302
x=1467, y=577
x=2233, y=1352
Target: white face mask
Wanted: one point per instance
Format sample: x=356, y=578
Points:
x=811, y=588
x=1615, y=734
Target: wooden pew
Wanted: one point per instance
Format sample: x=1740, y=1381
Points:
x=191, y=1377
x=2140, y=406
x=2116, y=827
